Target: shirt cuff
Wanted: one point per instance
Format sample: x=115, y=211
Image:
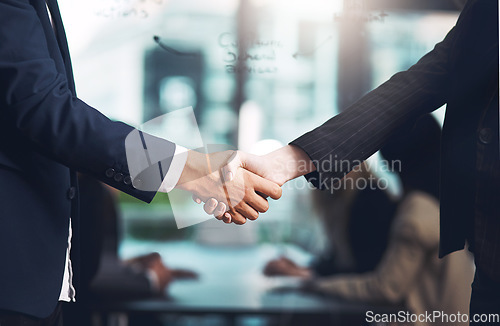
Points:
x=153, y=280
x=175, y=170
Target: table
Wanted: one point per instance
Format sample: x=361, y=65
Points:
x=232, y=285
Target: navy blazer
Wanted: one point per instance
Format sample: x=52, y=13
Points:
x=46, y=134
x=462, y=72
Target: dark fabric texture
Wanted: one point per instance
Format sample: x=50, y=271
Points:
x=485, y=300
x=10, y=318
x=486, y=239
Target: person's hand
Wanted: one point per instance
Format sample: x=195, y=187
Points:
x=164, y=275
x=280, y=166
x=243, y=196
x=152, y=263
x=184, y=274
x=285, y=267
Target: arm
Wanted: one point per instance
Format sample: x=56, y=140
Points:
x=326, y=154
x=330, y=151
x=40, y=113
x=285, y=267
x=347, y=139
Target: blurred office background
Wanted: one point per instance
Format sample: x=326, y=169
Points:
x=257, y=73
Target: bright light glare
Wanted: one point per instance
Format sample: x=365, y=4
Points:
x=311, y=9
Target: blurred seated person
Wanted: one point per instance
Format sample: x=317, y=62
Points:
x=410, y=271
x=103, y=275
x=357, y=212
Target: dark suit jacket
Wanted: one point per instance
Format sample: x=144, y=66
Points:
x=45, y=131
x=461, y=71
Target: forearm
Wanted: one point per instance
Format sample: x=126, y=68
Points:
x=349, y=138
x=40, y=113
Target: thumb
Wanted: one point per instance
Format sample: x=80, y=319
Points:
x=252, y=163
x=231, y=168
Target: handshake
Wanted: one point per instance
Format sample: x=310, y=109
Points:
x=235, y=185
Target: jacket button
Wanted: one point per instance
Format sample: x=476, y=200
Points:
x=71, y=193
x=118, y=177
x=137, y=183
x=127, y=180
x=485, y=135
x=110, y=172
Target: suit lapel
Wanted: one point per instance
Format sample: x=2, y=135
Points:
x=61, y=40
x=52, y=45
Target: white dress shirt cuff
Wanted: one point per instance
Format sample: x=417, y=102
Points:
x=153, y=280
x=175, y=170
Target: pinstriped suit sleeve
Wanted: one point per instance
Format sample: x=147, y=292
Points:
x=338, y=145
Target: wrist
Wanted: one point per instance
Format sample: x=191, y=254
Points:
x=306, y=273
x=290, y=162
x=195, y=168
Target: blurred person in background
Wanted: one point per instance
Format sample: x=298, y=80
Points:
x=410, y=271
x=351, y=216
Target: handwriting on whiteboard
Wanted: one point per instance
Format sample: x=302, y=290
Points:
x=259, y=57
x=126, y=8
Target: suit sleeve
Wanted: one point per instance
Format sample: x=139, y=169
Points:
x=37, y=105
x=352, y=136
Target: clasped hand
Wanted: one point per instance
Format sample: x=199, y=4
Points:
x=230, y=192
x=235, y=185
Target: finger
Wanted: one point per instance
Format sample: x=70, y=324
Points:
x=227, y=218
x=230, y=169
x=219, y=211
x=210, y=206
x=196, y=199
x=236, y=217
x=257, y=202
x=247, y=211
x=184, y=274
x=266, y=187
